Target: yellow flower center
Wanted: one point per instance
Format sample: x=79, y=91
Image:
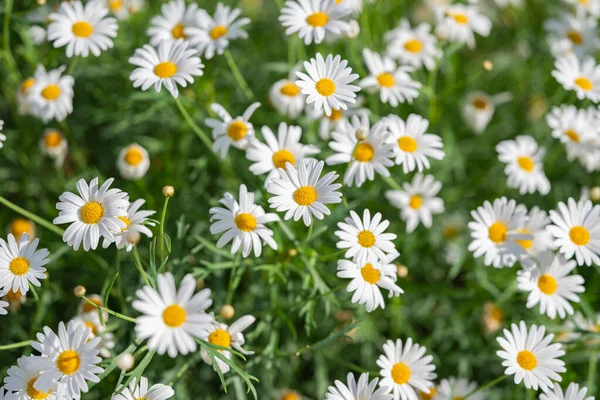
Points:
x=575, y=37
x=218, y=32
x=35, y=394
x=386, y=80
x=51, y=92
x=450, y=232
x=237, y=130
x=87, y=307
x=526, y=360
x=91, y=327
x=290, y=396
x=133, y=156
x=364, y=152
x=127, y=223
x=400, y=373
x=407, y=144
x=19, y=226
x=305, y=195
x=336, y=115
x=413, y=45
x=584, y=83
x=174, y=316
x=415, y=202
x=52, y=139
x=461, y=19
x=290, y=89
x=19, y=266
x=115, y=5
x=571, y=134
x=480, y=104
x=165, y=69
x=317, y=19
x=325, y=87
x=526, y=163
x=497, y=232
x=281, y=157
x=27, y=83
x=82, y=29
x=177, y=32
x=13, y=296
x=370, y=274
x=579, y=235
x=68, y=362
x=91, y=212
x=220, y=337
x=526, y=244
x=366, y=238
x=547, y=284
x=496, y=313
x=245, y=222
x=429, y=395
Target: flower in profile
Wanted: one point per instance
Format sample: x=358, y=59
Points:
x=574, y=392
x=459, y=22
x=227, y=336
x=314, y=19
x=457, y=389
x=582, y=76
x=361, y=390
x=133, y=162
x=21, y=379
x=138, y=389
x=54, y=144
x=174, y=19
x=479, y=107
x=416, y=47
x=228, y=131
x=22, y=97
x=19, y=226
x=523, y=158
x=51, y=96
x=21, y=263
x=135, y=221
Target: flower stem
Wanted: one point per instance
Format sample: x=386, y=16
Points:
x=238, y=76
x=199, y=132
x=111, y=312
x=161, y=237
x=72, y=65
x=392, y=183
x=487, y=386
x=32, y=216
x=140, y=266
x=16, y=345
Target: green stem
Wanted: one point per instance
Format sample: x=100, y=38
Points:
x=140, y=266
x=24, y=343
x=72, y=65
x=487, y=386
x=10, y=60
x=199, y=132
x=238, y=75
x=161, y=238
x=111, y=312
x=32, y=216
x=392, y=183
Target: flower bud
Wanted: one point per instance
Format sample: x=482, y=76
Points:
x=227, y=311
x=125, y=361
x=168, y=191
x=79, y=291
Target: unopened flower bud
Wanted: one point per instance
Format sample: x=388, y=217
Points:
x=487, y=65
x=168, y=191
x=79, y=291
x=292, y=252
x=227, y=311
x=595, y=193
x=353, y=30
x=362, y=133
x=402, y=271
x=125, y=361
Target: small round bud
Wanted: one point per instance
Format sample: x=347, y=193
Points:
x=353, y=30
x=168, y=191
x=595, y=193
x=362, y=133
x=292, y=252
x=487, y=65
x=79, y=291
x=402, y=271
x=132, y=237
x=125, y=361
x=41, y=2
x=227, y=311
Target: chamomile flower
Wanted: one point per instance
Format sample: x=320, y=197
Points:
x=278, y=151
x=495, y=231
x=171, y=318
x=365, y=157
x=586, y=7
x=405, y=369
x=285, y=97
x=3, y=305
x=328, y=123
x=416, y=46
x=581, y=76
x=570, y=34
x=68, y=359
x=354, y=7
x=174, y=19
x=54, y=144
x=577, y=129
x=94, y=213
x=529, y=356
x=493, y=317
x=550, y=285
x=361, y=390
x=2, y=136
x=21, y=379
x=573, y=393
x=133, y=162
x=541, y=240
x=417, y=201
x=51, y=96
x=524, y=168
x=171, y=63
x=227, y=336
x=237, y=132
x=22, y=97
x=412, y=145
x=243, y=222
x=18, y=226
x=479, y=107
x=85, y=307
x=459, y=22
x=21, y=263
x=576, y=230
x=314, y=19
x=139, y=390
x=456, y=389
x=302, y=193
x=394, y=83
x=365, y=238
x=327, y=84
x=97, y=329
x=118, y=8
x=83, y=29
x=369, y=278
x=212, y=34
x=135, y=221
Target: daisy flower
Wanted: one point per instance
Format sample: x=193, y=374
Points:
x=139, y=390
x=94, y=213
x=412, y=145
x=586, y=7
x=365, y=239
x=541, y=240
x=365, y=156
x=97, y=329
x=227, y=336
x=529, y=356
x=550, y=285
x=237, y=132
x=394, y=83
x=37, y=34
x=68, y=359
x=118, y=8
x=369, y=278
x=133, y=162
x=581, y=76
x=21, y=379
x=3, y=305
x=285, y=97
x=51, y=96
x=210, y=35
x=493, y=317
x=327, y=84
x=243, y=222
x=570, y=34
x=416, y=47
x=170, y=64
x=418, y=201
x=171, y=318
x=456, y=389
x=405, y=369
x=577, y=129
x=83, y=29
x=54, y=144
x=22, y=96
x=174, y=19
x=86, y=308
x=328, y=123
x=2, y=136
x=576, y=231
x=135, y=226
x=573, y=393
x=524, y=168
x=479, y=107
x=313, y=19
x=302, y=193
x=458, y=22
x=495, y=231
x=21, y=263
x=361, y=390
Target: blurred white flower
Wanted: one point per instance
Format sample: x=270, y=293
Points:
x=51, y=96
x=524, y=168
x=581, y=76
x=458, y=22
x=133, y=162
x=416, y=46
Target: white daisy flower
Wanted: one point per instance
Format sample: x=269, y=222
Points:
x=172, y=318
x=118, y=8
x=361, y=390
x=586, y=7
x=2, y=136
x=365, y=157
x=394, y=83
x=68, y=359
x=573, y=393
x=133, y=162
x=458, y=22
x=2, y=395
x=354, y=7
x=495, y=231
x=51, y=96
x=23, y=98
x=524, y=167
x=54, y=144
x=416, y=47
x=227, y=336
x=212, y=34
x=97, y=329
x=314, y=19
x=94, y=213
x=171, y=63
x=243, y=222
x=570, y=34
x=413, y=146
x=21, y=379
x=3, y=305
x=134, y=6
x=328, y=123
x=581, y=76
x=37, y=34
x=550, y=285
x=83, y=29
x=418, y=201
x=174, y=19
x=21, y=263
x=237, y=132
x=135, y=226
x=576, y=231
x=302, y=193
x=456, y=389
x=139, y=390
x=365, y=238
x=369, y=278
x=479, y=107
x=285, y=97
x=405, y=369
x=577, y=129
x=327, y=84
x=529, y=356
x=541, y=240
